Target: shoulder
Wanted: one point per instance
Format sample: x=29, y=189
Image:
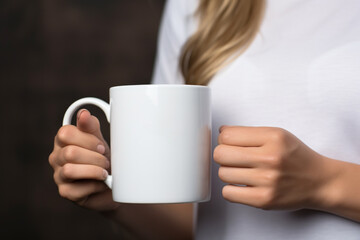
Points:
x=179, y=17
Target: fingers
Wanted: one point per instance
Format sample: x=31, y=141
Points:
x=88, y=123
x=78, y=155
x=238, y=156
x=71, y=172
x=71, y=135
x=79, y=191
x=243, y=176
x=79, y=159
x=252, y=196
x=243, y=136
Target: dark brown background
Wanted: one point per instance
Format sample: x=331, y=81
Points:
x=53, y=52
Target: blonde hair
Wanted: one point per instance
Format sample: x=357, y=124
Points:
x=226, y=28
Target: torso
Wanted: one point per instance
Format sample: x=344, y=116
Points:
x=302, y=73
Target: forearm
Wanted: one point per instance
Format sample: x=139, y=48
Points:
x=341, y=194
x=155, y=221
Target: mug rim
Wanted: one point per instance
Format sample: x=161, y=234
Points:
x=159, y=86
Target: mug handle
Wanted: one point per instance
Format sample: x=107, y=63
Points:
x=94, y=101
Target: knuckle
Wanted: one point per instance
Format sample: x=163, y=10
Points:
x=75, y=196
x=70, y=153
x=67, y=171
x=267, y=199
x=279, y=135
x=274, y=160
x=271, y=177
x=55, y=177
x=65, y=133
x=64, y=191
x=52, y=159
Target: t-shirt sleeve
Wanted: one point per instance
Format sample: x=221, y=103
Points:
x=175, y=28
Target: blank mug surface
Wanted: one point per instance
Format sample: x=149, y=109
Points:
x=160, y=139
x=160, y=143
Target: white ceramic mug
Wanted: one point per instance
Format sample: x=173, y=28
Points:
x=160, y=138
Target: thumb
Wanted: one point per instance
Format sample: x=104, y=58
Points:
x=88, y=123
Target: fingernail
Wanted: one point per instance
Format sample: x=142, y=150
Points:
x=100, y=148
x=105, y=174
x=79, y=113
x=107, y=164
x=222, y=127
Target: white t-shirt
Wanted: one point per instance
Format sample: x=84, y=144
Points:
x=302, y=73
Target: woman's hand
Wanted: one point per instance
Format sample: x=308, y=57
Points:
x=270, y=168
x=80, y=160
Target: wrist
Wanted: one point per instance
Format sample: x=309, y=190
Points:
x=329, y=195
